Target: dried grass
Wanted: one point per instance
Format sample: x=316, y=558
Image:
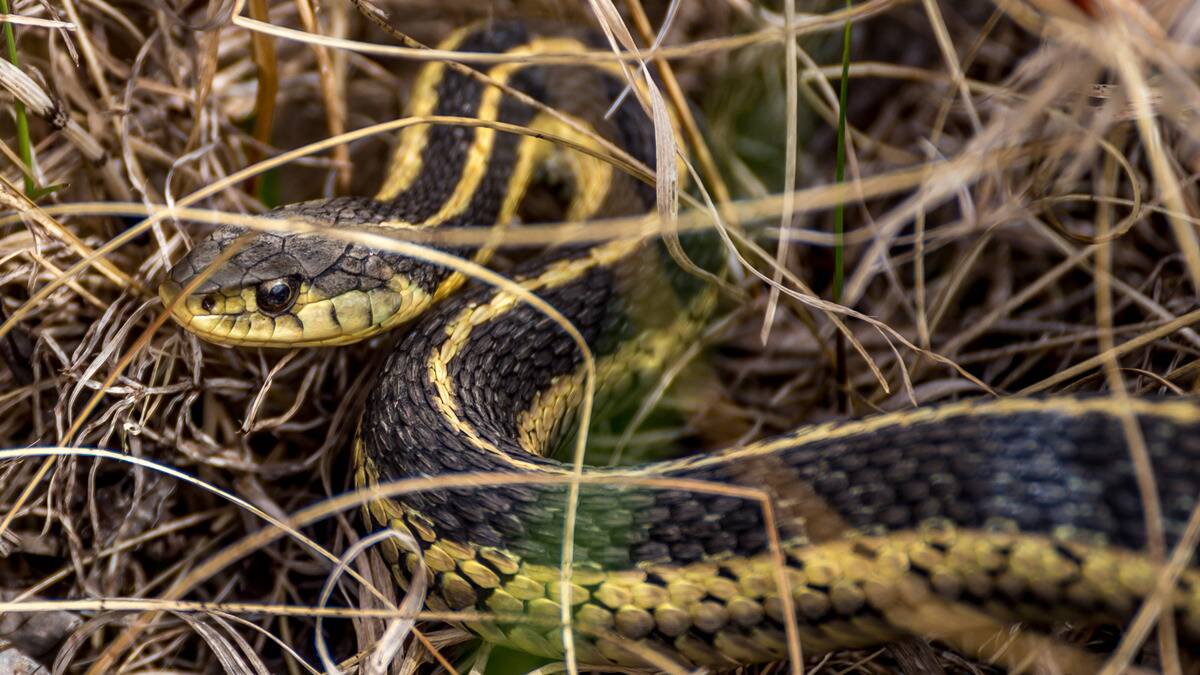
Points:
x=1022, y=214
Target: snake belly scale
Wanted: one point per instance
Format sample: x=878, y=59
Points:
x=951, y=522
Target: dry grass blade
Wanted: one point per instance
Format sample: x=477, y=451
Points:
x=268, y=77
x=402, y=623
x=791, y=83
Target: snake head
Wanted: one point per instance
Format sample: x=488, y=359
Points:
x=288, y=289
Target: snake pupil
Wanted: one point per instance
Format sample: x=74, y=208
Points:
x=208, y=303
x=277, y=296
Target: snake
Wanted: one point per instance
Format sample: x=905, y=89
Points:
x=980, y=524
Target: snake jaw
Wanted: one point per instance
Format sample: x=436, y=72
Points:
x=224, y=319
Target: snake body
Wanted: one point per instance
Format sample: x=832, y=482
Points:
x=953, y=522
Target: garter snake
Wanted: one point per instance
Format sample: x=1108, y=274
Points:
x=952, y=522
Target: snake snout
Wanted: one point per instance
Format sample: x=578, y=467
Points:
x=168, y=291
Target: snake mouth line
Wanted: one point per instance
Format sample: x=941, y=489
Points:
x=205, y=326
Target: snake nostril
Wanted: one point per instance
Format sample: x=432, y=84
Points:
x=208, y=303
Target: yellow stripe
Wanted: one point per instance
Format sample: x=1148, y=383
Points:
x=530, y=152
x=593, y=180
x=459, y=331
x=1181, y=412
x=593, y=177
x=642, y=357
x=406, y=161
x=476, y=165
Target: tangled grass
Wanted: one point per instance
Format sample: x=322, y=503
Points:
x=1021, y=209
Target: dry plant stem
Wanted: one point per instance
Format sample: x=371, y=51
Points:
x=268, y=82
x=1128, y=65
x=1143, y=469
x=408, y=611
x=666, y=186
x=789, y=172
x=966, y=88
x=334, y=97
x=1142, y=340
x=1132, y=294
x=684, y=113
x=55, y=270
x=722, y=216
x=828, y=105
x=210, y=43
x=543, y=234
x=89, y=56
x=283, y=644
x=950, y=54
x=12, y=198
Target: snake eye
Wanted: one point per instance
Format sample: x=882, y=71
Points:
x=277, y=296
x=208, y=303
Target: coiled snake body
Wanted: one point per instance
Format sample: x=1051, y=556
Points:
x=952, y=522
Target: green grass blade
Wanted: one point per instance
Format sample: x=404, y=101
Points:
x=839, y=213
x=24, y=146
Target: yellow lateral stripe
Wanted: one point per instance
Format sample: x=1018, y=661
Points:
x=530, y=152
x=1177, y=411
x=593, y=180
x=537, y=425
x=459, y=331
